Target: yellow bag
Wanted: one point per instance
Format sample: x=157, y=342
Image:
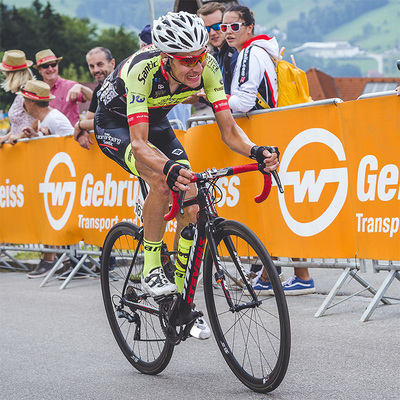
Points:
x=292, y=83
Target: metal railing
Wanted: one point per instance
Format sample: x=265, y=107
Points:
x=204, y=118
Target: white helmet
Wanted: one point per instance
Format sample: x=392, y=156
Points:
x=179, y=32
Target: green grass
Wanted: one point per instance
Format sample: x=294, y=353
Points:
x=365, y=64
x=384, y=32
x=28, y=255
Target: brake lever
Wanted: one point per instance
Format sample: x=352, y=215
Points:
x=277, y=180
x=180, y=201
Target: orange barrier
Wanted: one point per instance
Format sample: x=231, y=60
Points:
x=339, y=166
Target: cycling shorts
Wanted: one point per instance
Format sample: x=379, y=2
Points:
x=113, y=137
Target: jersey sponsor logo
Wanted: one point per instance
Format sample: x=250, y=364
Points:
x=218, y=89
x=327, y=192
x=177, y=152
x=159, y=93
x=134, y=119
x=107, y=93
x=137, y=98
x=58, y=190
x=221, y=105
x=149, y=66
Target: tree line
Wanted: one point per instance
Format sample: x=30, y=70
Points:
x=39, y=27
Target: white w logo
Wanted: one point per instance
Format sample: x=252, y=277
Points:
x=314, y=187
x=58, y=190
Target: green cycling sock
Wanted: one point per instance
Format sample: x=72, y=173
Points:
x=152, y=255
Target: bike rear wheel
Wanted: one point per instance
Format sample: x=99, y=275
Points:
x=133, y=316
x=252, y=330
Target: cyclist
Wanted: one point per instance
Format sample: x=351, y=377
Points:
x=132, y=129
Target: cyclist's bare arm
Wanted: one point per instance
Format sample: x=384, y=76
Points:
x=235, y=138
x=152, y=159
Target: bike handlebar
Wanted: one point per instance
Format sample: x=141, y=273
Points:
x=210, y=175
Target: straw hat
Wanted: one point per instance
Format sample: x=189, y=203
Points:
x=36, y=90
x=15, y=60
x=45, y=57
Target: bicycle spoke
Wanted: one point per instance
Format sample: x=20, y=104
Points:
x=136, y=328
x=248, y=329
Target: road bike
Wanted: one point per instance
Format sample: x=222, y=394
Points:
x=252, y=330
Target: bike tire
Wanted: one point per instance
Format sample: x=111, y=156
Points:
x=137, y=332
x=255, y=342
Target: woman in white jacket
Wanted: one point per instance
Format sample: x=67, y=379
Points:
x=254, y=83
x=255, y=86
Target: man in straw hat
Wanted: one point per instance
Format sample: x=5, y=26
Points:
x=16, y=69
x=37, y=96
x=36, y=101
x=67, y=93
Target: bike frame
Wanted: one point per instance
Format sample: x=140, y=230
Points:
x=207, y=222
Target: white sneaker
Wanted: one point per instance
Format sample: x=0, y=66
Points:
x=200, y=329
x=155, y=283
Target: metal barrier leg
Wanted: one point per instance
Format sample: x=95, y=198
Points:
x=379, y=295
x=9, y=266
x=75, y=270
x=328, y=300
x=368, y=286
x=54, y=269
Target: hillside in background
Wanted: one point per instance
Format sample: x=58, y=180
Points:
x=370, y=25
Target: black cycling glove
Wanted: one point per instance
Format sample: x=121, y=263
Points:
x=171, y=171
x=256, y=153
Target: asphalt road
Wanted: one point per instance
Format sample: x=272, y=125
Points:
x=56, y=344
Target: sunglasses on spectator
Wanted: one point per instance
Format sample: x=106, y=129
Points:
x=52, y=65
x=216, y=27
x=235, y=26
x=189, y=61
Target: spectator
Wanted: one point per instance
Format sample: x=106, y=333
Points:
x=255, y=86
x=36, y=96
x=145, y=36
x=67, y=93
x=181, y=111
x=50, y=121
x=254, y=83
x=211, y=13
x=101, y=63
x=15, y=67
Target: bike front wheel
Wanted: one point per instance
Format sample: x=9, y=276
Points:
x=133, y=316
x=252, y=330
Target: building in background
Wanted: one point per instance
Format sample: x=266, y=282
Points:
x=323, y=86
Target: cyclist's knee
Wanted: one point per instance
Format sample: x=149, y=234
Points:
x=158, y=184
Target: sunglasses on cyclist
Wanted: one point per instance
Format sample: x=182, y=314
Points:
x=52, y=65
x=216, y=27
x=189, y=61
x=235, y=26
